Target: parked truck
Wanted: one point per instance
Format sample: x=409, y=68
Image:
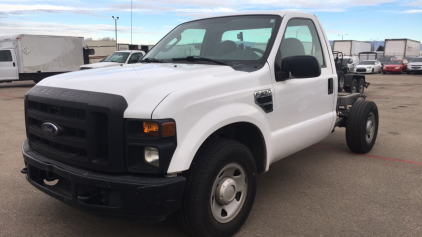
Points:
x=351, y=47
x=401, y=48
x=189, y=134
x=35, y=57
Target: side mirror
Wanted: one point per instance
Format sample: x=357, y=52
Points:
x=299, y=67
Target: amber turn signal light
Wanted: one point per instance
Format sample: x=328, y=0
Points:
x=168, y=129
x=151, y=128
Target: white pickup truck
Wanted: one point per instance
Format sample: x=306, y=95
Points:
x=213, y=104
x=118, y=58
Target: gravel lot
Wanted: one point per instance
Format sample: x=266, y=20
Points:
x=324, y=190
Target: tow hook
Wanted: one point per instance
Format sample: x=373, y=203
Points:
x=24, y=170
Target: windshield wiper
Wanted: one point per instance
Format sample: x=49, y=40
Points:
x=151, y=60
x=197, y=58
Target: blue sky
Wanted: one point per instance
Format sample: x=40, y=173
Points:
x=152, y=19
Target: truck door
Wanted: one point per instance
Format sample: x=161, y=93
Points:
x=305, y=107
x=8, y=65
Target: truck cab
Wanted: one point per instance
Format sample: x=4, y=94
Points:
x=187, y=130
x=116, y=59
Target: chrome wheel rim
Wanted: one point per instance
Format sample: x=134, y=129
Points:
x=228, y=192
x=354, y=86
x=341, y=82
x=370, y=128
x=361, y=86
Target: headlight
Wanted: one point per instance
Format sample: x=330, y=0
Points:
x=397, y=67
x=150, y=145
x=151, y=156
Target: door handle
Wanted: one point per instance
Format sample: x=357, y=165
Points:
x=14, y=64
x=330, y=86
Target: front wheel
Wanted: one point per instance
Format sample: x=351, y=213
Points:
x=373, y=71
x=362, y=126
x=220, y=189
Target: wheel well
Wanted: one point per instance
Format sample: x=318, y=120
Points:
x=250, y=136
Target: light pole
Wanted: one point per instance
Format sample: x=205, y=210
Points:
x=296, y=33
x=342, y=36
x=115, y=21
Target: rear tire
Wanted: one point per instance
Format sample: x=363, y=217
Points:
x=362, y=126
x=341, y=79
x=361, y=86
x=218, y=162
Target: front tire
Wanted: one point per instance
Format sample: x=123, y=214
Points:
x=220, y=189
x=362, y=126
x=373, y=71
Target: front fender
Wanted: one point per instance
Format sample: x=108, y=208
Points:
x=190, y=141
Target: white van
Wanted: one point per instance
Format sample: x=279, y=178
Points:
x=351, y=61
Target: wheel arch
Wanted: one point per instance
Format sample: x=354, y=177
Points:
x=243, y=123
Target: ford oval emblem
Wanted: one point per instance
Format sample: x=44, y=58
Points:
x=50, y=129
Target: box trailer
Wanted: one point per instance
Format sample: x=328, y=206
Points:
x=351, y=47
x=35, y=57
x=401, y=48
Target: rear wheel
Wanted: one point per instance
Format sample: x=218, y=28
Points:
x=341, y=77
x=220, y=189
x=361, y=86
x=362, y=126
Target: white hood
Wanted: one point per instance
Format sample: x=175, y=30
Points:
x=415, y=64
x=100, y=65
x=143, y=86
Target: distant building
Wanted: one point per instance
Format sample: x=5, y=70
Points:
x=100, y=49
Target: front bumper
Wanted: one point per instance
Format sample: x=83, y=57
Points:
x=366, y=71
x=104, y=193
x=414, y=69
x=391, y=70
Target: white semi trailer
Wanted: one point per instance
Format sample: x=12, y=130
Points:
x=35, y=57
x=401, y=48
x=351, y=47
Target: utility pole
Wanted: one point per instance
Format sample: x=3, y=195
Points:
x=342, y=36
x=115, y=21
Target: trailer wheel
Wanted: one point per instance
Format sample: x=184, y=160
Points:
x=362, y=126
x=341, y=79
x=361, y=86
x=220, y=189
x=352, y=88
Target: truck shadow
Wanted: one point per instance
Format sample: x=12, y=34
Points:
x=16, y=85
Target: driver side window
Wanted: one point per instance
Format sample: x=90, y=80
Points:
x=301, y=38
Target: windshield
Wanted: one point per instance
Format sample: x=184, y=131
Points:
x=232, y=40
x=117, y=57
x=417, y=60
x=367, y=63
x=346, y=61
x=395, y=63
x=384, y=60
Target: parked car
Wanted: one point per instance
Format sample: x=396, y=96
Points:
x=414, y=66
x=350, y=62
x=395, y=66
x=368, y=66
x=116, y=59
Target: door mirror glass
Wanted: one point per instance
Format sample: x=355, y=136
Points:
x=299, y=67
